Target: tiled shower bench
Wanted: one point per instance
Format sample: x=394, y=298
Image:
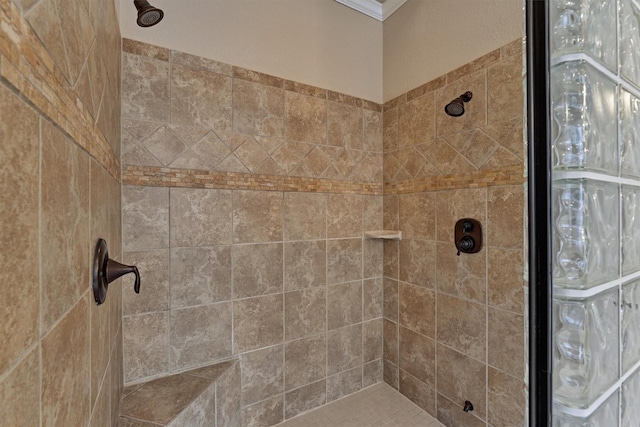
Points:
x=206, y=396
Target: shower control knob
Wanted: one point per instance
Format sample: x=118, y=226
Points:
x=466, y=244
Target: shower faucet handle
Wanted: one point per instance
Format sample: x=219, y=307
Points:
x=106, y=270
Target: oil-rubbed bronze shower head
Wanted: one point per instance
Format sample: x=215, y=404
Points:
x=147, y=14
x=456, y=107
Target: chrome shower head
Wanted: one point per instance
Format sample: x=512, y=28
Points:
x=456, y=107
x=147, y=14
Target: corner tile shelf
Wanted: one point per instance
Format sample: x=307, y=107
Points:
x=384, y=234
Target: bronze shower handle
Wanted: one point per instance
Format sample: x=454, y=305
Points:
x=106, y=270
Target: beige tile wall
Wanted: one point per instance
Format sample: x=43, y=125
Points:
x=453, y=326
x=248, y=232
x=61, y=358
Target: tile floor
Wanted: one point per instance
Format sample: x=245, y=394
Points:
x=376, y=406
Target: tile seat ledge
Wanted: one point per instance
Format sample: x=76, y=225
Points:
x=209, y=396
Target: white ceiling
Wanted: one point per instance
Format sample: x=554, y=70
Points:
x=378, y=9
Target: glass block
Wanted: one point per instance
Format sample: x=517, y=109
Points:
x=605, y=415
x=586, y=237
x=630, y=398
x=585, y=125
x=585, y=348
x=584, y=26
x=630, y=134
x=630, y=325
x=630, y=41
x=630, y=237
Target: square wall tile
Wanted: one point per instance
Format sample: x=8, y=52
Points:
x=305, y=361
x=262, y=373
x=305, y=313
x=344, y=305
x=200, y=275
x=145, y=218
x=305, y=264
x=200, y=97
x=257, y=216
x=461, y=325
x=146, y=345
x=200, y=217
x=344, y=260
x=200, y=335
x=257, y=269
x=257, y=322
x=344, y=215
x=305, y=216
x=154, y=275
x=344, y=349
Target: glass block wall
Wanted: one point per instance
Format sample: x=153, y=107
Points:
x=595, y=95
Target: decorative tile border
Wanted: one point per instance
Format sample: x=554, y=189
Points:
x=191, y=178
x=26, y=66
x=513, y=175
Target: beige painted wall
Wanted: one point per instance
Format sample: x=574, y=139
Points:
x=317, y=42
x=326, y=44
x=425, y=39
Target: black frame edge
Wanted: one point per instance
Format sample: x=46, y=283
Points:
x=539, y=212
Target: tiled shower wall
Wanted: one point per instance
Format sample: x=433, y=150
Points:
x=454, y=325
x=245, y=202
x=61, y=357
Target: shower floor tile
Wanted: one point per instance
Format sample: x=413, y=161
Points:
x=376, y=406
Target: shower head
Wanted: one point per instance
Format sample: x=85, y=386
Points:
x=147, y=14
x=456, y=107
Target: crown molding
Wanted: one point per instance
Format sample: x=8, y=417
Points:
x=373, y=8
